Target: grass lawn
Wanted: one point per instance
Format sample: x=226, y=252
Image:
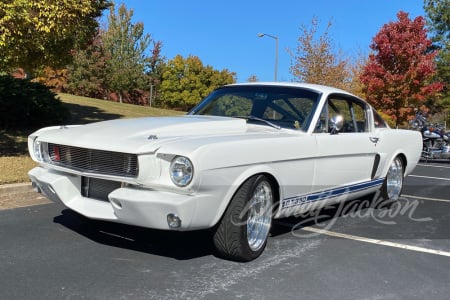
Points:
x=14, y=160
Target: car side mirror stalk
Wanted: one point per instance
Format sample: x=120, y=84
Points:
x=336, y=124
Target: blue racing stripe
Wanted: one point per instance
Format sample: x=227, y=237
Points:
x=331, y=193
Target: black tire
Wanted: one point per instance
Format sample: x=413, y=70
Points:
x=392, y=185
x=234, y=237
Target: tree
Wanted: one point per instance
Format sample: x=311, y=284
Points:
x=125, y=45
x=29, y=104
x=252, y=78
x=187, y=81
x=356, y=68
x=56, y=79
x=38, y=33
x=314, y=61
x=438, y=17
x=87, y=72
x=155, y=65
x=397, y=77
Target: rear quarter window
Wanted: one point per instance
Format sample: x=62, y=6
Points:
x=378, y=121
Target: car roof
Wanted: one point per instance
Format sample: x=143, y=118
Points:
x=316, y=87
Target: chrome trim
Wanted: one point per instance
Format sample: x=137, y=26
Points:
x=94, y=161
x=394, y=179
x=259, y=215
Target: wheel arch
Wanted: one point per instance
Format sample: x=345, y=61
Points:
x=388, y=161
x=402, y=156
x=244, y=177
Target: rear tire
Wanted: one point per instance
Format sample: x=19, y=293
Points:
x=242, y=233
x=393, y=184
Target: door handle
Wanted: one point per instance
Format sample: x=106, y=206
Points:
x=374, y=139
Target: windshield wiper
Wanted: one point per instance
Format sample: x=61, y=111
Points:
x=253, y=118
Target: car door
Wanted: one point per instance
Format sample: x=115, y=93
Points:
x=344, y=159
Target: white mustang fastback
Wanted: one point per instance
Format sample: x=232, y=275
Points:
x=247, y=154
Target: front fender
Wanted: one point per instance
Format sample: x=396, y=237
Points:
x=225, y=183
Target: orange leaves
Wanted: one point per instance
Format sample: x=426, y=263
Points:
x=315, y=60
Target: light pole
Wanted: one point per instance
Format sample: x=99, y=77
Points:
x=276, y=51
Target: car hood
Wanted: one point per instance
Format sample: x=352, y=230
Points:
x=142, y=135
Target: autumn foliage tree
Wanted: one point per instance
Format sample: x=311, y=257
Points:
x=398, y=74
x=87, y=72
x=315, y=61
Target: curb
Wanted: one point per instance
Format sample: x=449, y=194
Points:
x=17, y=195
x=15, y=188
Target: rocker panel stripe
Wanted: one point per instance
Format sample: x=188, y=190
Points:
x=331, y=193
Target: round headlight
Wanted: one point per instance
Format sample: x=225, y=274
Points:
x=181, y=171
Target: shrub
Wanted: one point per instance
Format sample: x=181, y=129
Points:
x=28, y=104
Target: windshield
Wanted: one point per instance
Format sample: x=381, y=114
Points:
x=287, y=107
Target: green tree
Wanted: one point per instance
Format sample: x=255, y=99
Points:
x=38, y=33
x=29, y=104
x=125, y=45
x=315, y=61
x=398, y=75
x=438, y=17
x=186, y=81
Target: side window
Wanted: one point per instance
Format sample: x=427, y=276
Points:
x=359, y=116
x=353, y=112
x=378, y=120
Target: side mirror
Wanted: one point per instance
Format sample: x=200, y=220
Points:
x=336, y=124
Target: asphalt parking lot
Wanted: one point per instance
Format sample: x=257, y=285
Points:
x=345, y=252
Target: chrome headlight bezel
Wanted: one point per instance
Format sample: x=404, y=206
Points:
x=37, y=150
x=181, y=171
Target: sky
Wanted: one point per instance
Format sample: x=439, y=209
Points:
x=224, y=34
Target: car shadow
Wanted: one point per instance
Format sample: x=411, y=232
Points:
x=189, y=244
x=177, y=245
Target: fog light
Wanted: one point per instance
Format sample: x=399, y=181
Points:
x=173, y=221
x=116, y=203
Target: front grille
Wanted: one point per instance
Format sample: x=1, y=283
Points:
x=98, y=189
x=94, y=161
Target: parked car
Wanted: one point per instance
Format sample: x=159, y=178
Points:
x=247, y=154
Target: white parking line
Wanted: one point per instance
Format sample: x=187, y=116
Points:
x=434, y=166
x=426, y=198
x=429, y=177
x=377, y=242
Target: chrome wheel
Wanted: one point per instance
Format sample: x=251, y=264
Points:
x=394, y=179
x=259, y=215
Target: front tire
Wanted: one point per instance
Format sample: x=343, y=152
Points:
x=242, y=233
